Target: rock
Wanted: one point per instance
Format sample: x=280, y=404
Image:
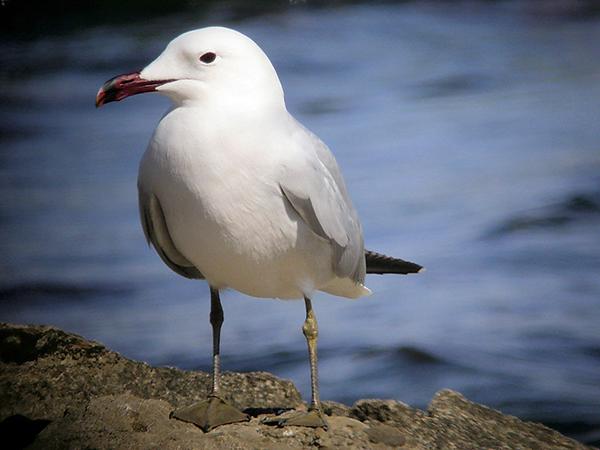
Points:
x=60, y=391
x=380, y=433
x=45, y=369
x=453, y=422
x=332, y=408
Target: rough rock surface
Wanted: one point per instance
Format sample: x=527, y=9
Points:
x=60, y=391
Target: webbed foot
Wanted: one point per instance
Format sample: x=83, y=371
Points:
x=313, y=418
x=210, y=413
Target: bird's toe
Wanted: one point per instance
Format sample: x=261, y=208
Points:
x=210, y=413
x=313, y=418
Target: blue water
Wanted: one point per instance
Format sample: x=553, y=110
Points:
x=470, y=141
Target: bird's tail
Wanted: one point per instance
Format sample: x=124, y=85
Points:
x=378, y=263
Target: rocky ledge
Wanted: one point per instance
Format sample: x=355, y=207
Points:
x=61, y=391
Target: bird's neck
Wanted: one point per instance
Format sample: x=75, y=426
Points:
x=230, y=109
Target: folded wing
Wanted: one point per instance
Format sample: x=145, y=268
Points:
x=381, y=264
x=157, y=234
x=313, y=186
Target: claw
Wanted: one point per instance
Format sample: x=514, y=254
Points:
x=314, y=418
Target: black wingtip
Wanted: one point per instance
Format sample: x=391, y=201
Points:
x=381, y=264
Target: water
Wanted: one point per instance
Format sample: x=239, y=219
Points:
x=469, y=139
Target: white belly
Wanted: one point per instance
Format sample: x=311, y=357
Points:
x=261, y=250
x=231, y=221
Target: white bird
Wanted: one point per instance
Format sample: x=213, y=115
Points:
x=233, y=190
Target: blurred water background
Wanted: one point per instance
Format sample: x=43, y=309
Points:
x=469, y=137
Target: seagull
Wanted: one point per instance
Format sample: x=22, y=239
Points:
x=235, y=191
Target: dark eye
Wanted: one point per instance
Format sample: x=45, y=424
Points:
x=208, y=57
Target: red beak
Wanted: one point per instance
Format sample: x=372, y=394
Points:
x=122, y=86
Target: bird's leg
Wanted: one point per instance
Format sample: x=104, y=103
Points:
x=216, y=320
x=213, y=411
x=314, y=417
x=310, y=330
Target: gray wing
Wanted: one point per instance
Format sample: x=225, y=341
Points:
x=157, y=233
x=314, y=187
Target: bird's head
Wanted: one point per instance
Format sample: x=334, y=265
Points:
x=213, y=64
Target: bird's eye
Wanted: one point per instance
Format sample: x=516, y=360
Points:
x=208, y=57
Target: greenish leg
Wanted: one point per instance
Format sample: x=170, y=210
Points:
x=314, y=418
x=311, y=333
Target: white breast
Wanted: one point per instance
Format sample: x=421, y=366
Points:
x=226, y=213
